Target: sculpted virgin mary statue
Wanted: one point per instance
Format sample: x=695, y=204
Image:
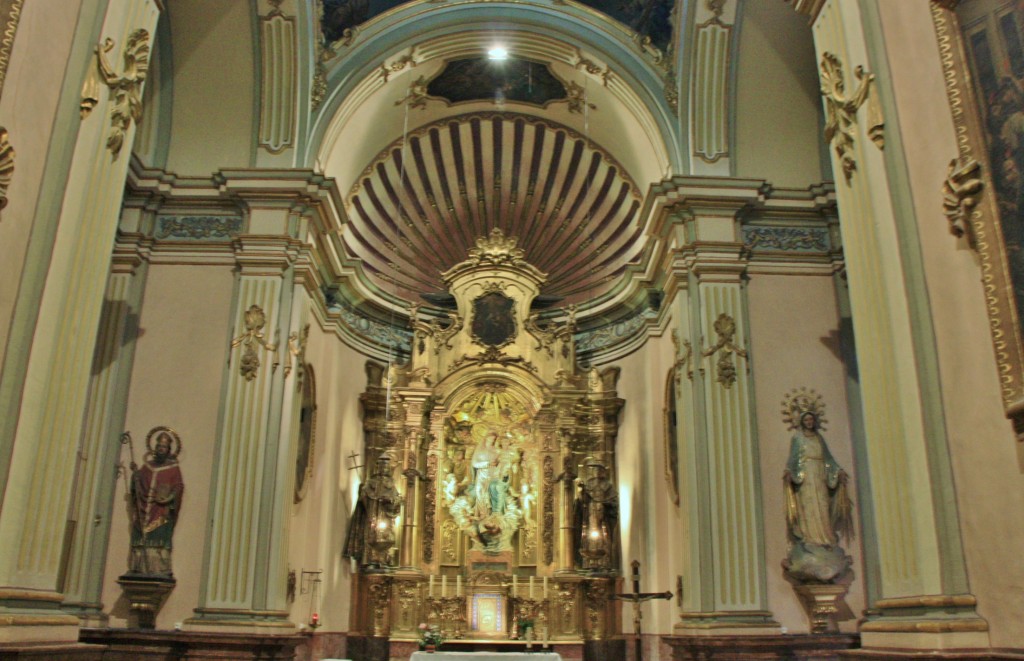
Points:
x=818, y=508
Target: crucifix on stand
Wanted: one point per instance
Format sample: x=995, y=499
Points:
x=637, y=597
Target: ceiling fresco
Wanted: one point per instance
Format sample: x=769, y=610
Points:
x=479, y=78
x=650, y=19
x=418, y=208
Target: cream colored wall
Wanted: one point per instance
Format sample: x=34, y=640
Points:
x=213, y=123
x=650, y=522
x=31, y=91
x=778, y=107
x=176, y=381
x=320, y=522
x=987, y=470
x=794, y=335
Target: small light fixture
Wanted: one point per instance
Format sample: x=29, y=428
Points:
x=497, y=53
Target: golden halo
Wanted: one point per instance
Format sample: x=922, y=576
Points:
x=800, y=401
x=170, y=432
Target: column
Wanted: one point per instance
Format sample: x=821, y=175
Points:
x=923, y=596
x=52, y=390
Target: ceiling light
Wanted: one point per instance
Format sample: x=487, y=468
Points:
x=497, y=53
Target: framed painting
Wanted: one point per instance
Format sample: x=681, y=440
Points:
x=981, y=45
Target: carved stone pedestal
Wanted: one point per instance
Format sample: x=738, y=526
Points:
x=146, y=595
x=820, y=602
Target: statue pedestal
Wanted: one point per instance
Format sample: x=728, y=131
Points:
x=820, y=600
x=146, y=594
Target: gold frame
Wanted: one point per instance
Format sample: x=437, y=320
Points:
x=984, y=218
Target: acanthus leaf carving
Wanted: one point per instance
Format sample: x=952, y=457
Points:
x=960, y=193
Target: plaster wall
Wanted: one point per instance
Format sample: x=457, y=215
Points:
x=176, y=381
x=320, y=521
x=213, y=120
x=31, y=92
x=650, y=522
x=987, y=467
x=777, y=105
x=794, y=335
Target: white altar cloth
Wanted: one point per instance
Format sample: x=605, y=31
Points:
x=486, y=656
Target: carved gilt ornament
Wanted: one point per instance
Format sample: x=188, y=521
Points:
x=841, y=111
x=6, y=165
x=960, y=193
x=255, y=321
x=125, y=89
x=725, y=327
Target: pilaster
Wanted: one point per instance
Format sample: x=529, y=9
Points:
x=105, y=415
x=35, y=511
x=245, y=567
x=922, y=598
x=727, y=586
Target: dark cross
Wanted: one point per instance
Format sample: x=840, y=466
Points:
x=637, y=597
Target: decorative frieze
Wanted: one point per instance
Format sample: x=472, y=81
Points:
x=788, y=239
x=198, y=228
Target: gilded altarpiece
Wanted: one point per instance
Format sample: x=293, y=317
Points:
x=498, y=443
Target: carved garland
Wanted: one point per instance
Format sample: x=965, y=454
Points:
x=255, y=321
x=725, y=327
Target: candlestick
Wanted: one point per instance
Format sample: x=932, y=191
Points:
x=545, y=587
x=458, y=586
x=444, y=586
x=545, y=637
x=430, y=587
x=515, y=586
x=531, y=587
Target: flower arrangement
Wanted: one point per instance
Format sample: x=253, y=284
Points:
x=430, y=636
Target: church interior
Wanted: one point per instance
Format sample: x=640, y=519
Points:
x=590, y=330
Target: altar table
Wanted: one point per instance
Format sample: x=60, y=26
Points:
x=486, y=656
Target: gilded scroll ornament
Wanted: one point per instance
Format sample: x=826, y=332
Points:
x=125, y=90
x=548, y=336
x=6, y=165
x=841, y=110
x=496, y=249
x=725, y=327
x=10, y=14
x=380, y=604
x=255, y=321
x=960, y=195
x=438, y=332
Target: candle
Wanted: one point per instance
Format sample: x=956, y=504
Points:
x=531, y=587
x=515, y=586
x=444, y=586
x=430, y=586
x=545, y=637
x=545, y=587
x=458, y=586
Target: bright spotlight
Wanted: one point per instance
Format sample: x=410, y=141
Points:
x=497, y=53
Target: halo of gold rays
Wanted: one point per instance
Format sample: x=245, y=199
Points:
x=800, y=401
